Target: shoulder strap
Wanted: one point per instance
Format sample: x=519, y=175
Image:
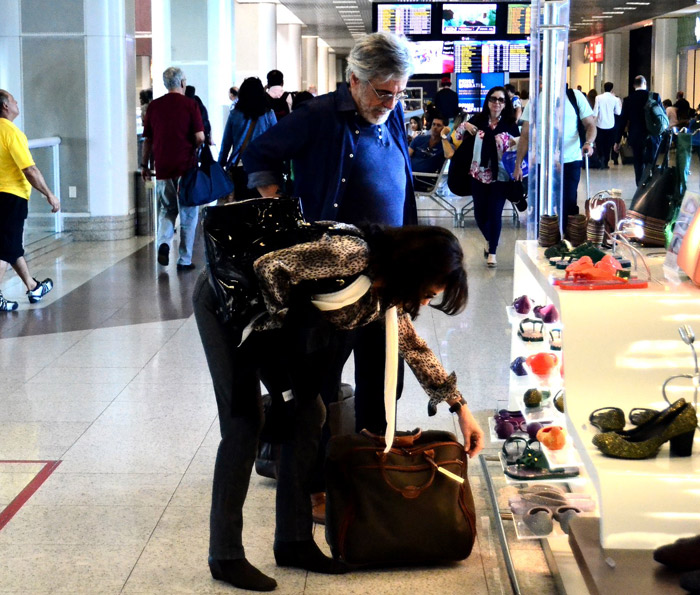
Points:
x=246, y=140
x=572, y=98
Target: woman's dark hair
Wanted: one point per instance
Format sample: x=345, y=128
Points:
x=408, y=262
x=253, y=101
x=506, y=114
x=418, y=122
x=145, y=96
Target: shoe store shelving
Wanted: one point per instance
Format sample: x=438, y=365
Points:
x=618, y=348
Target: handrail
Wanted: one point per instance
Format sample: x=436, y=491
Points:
x=52, y=142
x=49, y=141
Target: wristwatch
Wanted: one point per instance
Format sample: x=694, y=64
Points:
x=592, y=145
x=457, y=405
x=444, y=137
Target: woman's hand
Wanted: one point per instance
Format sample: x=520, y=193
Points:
x=518, y=172
x=471, y=129
x=472, y=432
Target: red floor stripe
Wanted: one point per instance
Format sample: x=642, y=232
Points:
x=13, y=507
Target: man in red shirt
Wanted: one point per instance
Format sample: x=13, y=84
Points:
x=172, y=132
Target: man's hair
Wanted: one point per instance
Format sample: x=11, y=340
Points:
x=437, y=116
x=4, y=98
x=639, y=81
x=608, y=87
x=379, y=56
x=667, y=103
x=680, y=95
x=172, y=78
x=510, y=88
x=275, y=79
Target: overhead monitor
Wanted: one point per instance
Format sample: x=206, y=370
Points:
x=489, y=81
x=467, y=55
x=468, y=19
x=432, y=57
x=518, y=19
x=469, y=91
x=495, y=56
x=404, y=19
x=519, y=56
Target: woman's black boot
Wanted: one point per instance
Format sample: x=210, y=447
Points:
x=242, y=574
x=307, y=556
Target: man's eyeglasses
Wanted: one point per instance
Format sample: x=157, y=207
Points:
x=386, y=96
x=493, y=99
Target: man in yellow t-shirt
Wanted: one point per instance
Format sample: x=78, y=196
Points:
x=18, y=174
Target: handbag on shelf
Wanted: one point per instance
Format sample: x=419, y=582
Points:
x=412, y=505
x=205, y=182
x=651, y=203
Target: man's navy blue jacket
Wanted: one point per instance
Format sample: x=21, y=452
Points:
x=320, y=137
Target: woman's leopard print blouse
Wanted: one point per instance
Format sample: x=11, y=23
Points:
x=335, y=256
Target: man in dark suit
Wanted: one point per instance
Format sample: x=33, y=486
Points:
x=682, y=109
x=644, y=146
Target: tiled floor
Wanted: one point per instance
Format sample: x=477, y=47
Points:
x=107, y=375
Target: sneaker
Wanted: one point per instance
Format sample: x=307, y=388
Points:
x=163, y=254
x=7, y=305
x=42, y=288
x=491, y=261
x=186, y=267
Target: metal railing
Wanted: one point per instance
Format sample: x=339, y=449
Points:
x=53, y=143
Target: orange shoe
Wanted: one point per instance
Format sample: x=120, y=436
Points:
x=318, y=508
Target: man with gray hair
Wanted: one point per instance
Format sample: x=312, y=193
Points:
x=350, y=160
x=172, y=132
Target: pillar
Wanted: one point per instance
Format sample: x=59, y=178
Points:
x=664, y=59
x=309, y=60
x=322, y=67
x=73, y=73
x=256, y=39
x=332, y=73
x=289, y=47
x=615, y=63
x=197, y=37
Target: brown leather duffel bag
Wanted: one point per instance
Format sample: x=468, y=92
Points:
x=412, y=505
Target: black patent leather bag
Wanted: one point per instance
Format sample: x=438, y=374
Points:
x=651, y=203
x=235, y=235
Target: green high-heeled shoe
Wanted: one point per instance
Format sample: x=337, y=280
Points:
x=676, y=424
x=608, y=419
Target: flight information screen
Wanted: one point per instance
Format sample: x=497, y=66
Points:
x=519, y=57
x=404, y=19
x=468, y=56
x=495, y=56
x=518, y=19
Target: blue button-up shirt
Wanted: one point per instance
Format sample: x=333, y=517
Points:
x=320, y=137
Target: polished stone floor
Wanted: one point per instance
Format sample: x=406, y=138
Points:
x=107, y=376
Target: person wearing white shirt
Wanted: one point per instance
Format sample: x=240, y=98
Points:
x=607, y=106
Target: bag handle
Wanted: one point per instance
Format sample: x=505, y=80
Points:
x=399, y=441
x=409, y=492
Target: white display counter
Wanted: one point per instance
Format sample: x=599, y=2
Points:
x=619, y=346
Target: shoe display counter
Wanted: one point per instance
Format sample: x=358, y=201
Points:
x=618, y=348
x=615, y=571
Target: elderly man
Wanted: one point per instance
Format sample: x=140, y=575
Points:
x=173, y=130
x=350, y=160
x=17, y=176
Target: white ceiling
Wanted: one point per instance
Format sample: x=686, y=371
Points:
x=337, y=21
